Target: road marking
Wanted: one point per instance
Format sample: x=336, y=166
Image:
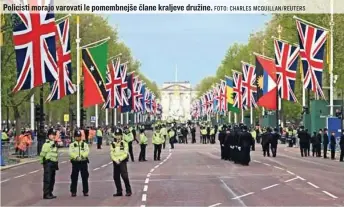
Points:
x=103, y=165
x=33, y=172
x=5, y=180
x=271, y=186
x=315, y=186
x=152, y=170
x=300, y=178
x=160, y=163
x=257, y=161
x=329, y=194
x=147, y=180
x=144, y=197
x=148, y=175
x=145, y=188
x=96, y=169
x=109, y=163
x=156, y=167
x=63, y=162
x=232, y=192
x=266, y=164
x=19, y=176
x=278, y=168
x=290, y=172
x=215, y=204
x=143, y=206
x=291, y=179
x=247, y=194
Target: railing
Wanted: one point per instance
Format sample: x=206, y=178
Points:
x=11, y=154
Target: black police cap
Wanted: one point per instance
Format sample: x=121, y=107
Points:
x=51, y=131
x=118, y=132
x=77, y=133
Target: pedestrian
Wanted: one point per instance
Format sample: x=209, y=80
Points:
x=212, y=135
x=49, y=159
x=99, y=138
x=222, y=137
x=164, y=134
x=318, y=143
x=313, y=141
x=129, y=138
x=266, y=140
x=308, y=148
x=245, y=145
x=193, y=133
x=341, y=144
x=157, y=141
x=119, y=156
x=274, y=142
x=333, y=145
x=172, y=136
x=204, y=135
x=78, y=153
x=185, y=134
x=325, y=142
x=303, y=136
x=143, y=145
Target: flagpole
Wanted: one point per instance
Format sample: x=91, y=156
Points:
x=78, y=76
x=242, y=116
x=121, y=118
x=264, y=41
x=65, y=17
x=95, y=43
x=96, y=115
x=229, y=117
x=279, y=101
x=115, y=117
x=305, y=21
x=331, y=60
x=32, y=107
x=106, y=117
x=127, y=118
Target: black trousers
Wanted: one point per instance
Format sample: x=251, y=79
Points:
x=49, y=172
x=164, y=144
x=172, y=139
x=223, y=156
x=120, y=170
x=274, y=150
x=341, y=158
x=204, y=139
x=130, y=146
x=333, y=151
x=266, y=150
x=308, y=148
x=303, y=149
x=157, y=151
x=82, y=167
x=99, y=142
x=193, y=135
x=142, y=155
x=325, y=149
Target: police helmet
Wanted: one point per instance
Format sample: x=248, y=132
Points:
x=118, y=132
x=51, y=131
x=77, y=133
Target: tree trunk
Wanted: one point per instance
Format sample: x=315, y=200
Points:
x=17, y=118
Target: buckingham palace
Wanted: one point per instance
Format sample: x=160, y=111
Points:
x=176, y=99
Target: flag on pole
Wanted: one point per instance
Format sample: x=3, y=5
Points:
x=113, y=80
x=312, y=48
x=248, y=84
x=94, y=64
x=35, y=47
x=63, y=86
x=230, y=96
x=127, y=93
x=143, y=103
x=223, y=97
x=237, y=91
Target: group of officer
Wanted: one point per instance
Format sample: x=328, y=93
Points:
x=236, y=143
x=208, y=133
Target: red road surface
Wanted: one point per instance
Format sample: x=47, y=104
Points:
x=189, y=175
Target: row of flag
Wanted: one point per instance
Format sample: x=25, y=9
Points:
x=43, y=55
x=261, y=84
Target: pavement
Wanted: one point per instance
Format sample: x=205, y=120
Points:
x=189, y=175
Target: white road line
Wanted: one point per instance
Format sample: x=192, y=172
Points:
x=160, y=163
x=63, y=162
x=329, y=194
x=33, y=172
x=257, y=161
x=144, y=197
x=152, y=170
x=315, y=186
x=145, y=188
x=103, y=165
x=109, y=163
x=216, y=204
x=247, y=194
x=266, y=164
x=156, y=167
x=291, y=179
x=148, y=175
x=271, y=186
x=300, y=178
x=96, y=169
x=143, y=206
x=5, y=180
x=278, y=168
x=290, y=172
x=147, y=180
x=19, y=176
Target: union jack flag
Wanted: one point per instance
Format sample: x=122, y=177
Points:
x=204, y=104
x=216, y=98
x=248, y=84
x=237, y=90
x=312, y=47
x=148, y=100
x=123, y=86
x=223, y=96
x=35, y=47
x=210, y=102
x=63, y=86
x=135, y=93
x=286, y=59
x=113, y=82
x=153, y=104
x=139, y=96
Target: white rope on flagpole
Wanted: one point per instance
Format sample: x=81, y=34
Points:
x=78, y=71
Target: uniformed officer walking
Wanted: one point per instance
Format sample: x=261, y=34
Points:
x=78, y=153
x=157, y=141
x=172, y=136
x=274, y=141
x=49, y=159
x=129, y=138
x=119, y=155
x=143, y=145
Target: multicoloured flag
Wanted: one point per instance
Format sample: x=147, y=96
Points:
x=230, y=95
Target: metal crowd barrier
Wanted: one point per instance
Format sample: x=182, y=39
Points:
x=11, y=155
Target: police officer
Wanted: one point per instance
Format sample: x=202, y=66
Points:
x=266, y=140
x=143, y=145
x=222, y=137
x=246, y=143
x=172, y=136
x=325, y=142
x=193, y=133
x=333, y=145
x=119, y=156
x=204, y=135
x=341, y=144
x=274, y=142
x=129, y=138
x=303, y=136
x=49, y=159
x=157, y=141
x=164, y=134
x=78, y=153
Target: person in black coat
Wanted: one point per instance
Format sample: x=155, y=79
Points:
x=274, y=142
x=313, y=141
x=325, y=142
x=193, y=133
x=304, y=137
x=318, y=143
x=333, y=145
x=246, y=143
x=235, y=144
x=222, y=137
x=341, y=144
x=266, y=140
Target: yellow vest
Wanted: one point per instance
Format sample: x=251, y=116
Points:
x=49, y=152
x=158, y=138
x=119, y=151
x=78, y=149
